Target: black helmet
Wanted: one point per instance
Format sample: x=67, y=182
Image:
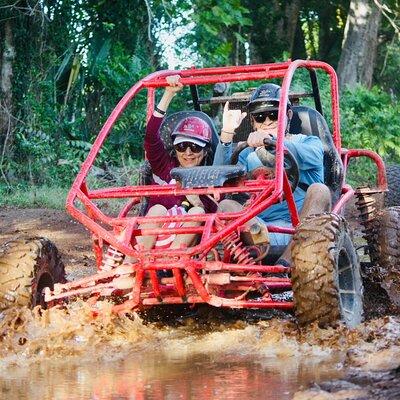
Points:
x=265, y=98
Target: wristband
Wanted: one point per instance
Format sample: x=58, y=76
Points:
x=228, y=133
x=159, y=111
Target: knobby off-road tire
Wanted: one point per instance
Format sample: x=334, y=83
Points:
x=327, y=285
x=392, y=197
x=384, y=250
x=27, y=266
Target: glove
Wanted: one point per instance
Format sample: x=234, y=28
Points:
x=231, y=119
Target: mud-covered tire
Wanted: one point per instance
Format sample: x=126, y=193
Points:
x=385, y=251
x=27, y=266
x=392, y=196
x=327, y=285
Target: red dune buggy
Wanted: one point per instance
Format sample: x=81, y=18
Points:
x=324, y=282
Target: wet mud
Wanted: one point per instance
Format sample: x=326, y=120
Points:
x=186, y=353
x=364, y=360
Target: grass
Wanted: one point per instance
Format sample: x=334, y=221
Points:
x=33, y=197
x=50, y=197
x=362, y=172
x=53, y=196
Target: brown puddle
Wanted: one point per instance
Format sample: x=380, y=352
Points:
x=66, y=354
x=152, y=376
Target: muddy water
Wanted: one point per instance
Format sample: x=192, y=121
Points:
x=67, y=354
x=151, y=376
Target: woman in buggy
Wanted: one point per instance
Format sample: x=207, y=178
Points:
x=191, y=140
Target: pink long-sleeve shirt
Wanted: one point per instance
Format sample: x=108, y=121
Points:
x=161, y=163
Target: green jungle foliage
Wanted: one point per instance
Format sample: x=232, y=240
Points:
x=370, y=120
x=74, y=61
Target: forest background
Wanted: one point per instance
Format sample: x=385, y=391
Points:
x=66, y=63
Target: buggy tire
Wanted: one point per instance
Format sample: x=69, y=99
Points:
x=385, y=251
x=327, y=285
x=392, y=196
x=27, y=266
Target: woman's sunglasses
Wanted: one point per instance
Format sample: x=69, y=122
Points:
x=182, y=147
x=261, y=117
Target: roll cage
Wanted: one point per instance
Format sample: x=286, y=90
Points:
x=190, y=265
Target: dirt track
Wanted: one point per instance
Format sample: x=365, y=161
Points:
x=70, y=237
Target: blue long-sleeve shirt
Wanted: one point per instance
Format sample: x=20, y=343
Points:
x=309, y=154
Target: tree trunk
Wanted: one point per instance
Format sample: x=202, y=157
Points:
x=330, y=32
x=274, y=27
x=288, y=24
x=299, y=48
x=6, y=90
x=360, y=42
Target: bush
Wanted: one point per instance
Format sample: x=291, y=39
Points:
x=369, y=120
x=25, y=196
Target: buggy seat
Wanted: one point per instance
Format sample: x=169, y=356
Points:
x=309, y=121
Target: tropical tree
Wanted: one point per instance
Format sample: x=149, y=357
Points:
x=360, y=43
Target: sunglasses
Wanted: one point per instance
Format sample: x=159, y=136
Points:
x=182, y=147
x=261, y=117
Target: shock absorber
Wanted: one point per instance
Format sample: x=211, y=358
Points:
x=112, y=259
x=368, y=205
x=239, y=253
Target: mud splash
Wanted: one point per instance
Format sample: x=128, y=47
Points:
x=99, y=356
x=73, y=356
x=29, y=336
x=373, y=366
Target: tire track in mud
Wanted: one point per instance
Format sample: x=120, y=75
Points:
x=70, y=237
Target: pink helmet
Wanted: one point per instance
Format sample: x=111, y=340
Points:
x=192, y=129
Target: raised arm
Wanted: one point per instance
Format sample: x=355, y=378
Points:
x=170, y=92
x=231, y=120
x=160, y=160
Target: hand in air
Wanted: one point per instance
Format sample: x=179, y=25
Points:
x=231, y=119
x=174, y=83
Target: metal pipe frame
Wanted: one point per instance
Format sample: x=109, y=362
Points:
x=189, y=266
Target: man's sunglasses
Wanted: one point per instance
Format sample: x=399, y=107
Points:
x=261, y=117
x=181, y=147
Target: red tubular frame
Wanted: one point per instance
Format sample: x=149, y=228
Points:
x=190, y=268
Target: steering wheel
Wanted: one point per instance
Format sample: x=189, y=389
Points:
x=267, y=158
